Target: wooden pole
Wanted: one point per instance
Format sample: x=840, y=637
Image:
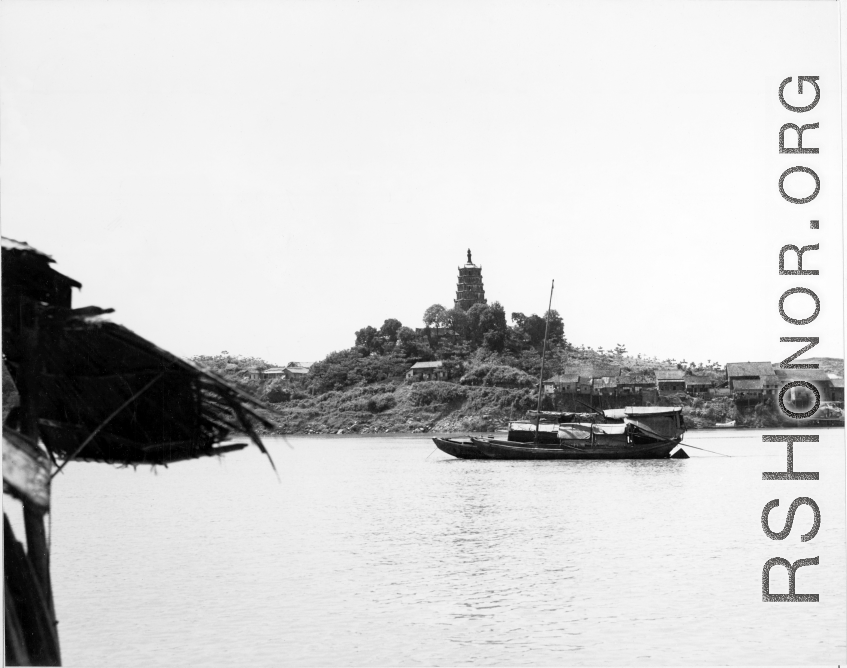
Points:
x=543, y=353
x=38, y=552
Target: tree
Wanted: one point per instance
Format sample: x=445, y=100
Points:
x=435, y=315
x=390, y=328
x=474, y=313
x=556, y=332
x=406, y=335
x=492, y=325
x=457, y=321
x=532, y=328
x=367, y=338
x=620, y=351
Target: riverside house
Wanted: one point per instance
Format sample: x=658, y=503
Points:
x=748, y=389
x=569, y=383
x=818, y=378
x=698, y=385
x=605, y=386
x=741, y=372
x=632, y=383
x=670, y=381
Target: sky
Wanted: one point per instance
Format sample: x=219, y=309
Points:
x=267, y=178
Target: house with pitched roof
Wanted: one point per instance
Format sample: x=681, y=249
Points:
x=818, y=378
x=748, y=389
x=670, y=381
x=698, y=385
x=753, y=371
x=427, y=371
x=605, y=386
x=632, y=383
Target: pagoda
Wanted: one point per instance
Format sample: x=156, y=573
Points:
x=469, y=290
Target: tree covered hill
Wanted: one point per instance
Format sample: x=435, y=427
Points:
x=494, y=365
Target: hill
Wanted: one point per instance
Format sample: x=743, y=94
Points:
x=492, y=369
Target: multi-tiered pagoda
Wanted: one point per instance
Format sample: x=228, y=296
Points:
x=469, y=290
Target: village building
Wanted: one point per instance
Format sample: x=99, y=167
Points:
x=571, y=383
x=427, y=371
x=293, y=372
x=632, y=383
x=469, y=289
x=818, y=378
x=605, y=386
x=296, y=372
x=744, y=371
x=670, y=381
x=698, y=385
x=748, y=389
x=837, y=390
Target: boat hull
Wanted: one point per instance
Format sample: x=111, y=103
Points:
x=460, y=449
x=498, y=449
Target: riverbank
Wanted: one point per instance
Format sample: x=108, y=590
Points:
x=448, y=408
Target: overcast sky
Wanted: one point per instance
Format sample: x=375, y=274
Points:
x=267, y=178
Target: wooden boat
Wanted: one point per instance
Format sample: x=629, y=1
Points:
x=626, y=433
x=630, y=433
x=497, y=449
x=463, y=449
x=725, y=425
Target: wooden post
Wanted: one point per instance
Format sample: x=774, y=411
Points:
x=27, y=381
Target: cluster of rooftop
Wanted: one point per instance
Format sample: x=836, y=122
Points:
x=756, y=381
x=743, y=381
x=609, y=380
x=293, y=372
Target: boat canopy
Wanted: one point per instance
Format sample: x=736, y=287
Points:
x=609, y=429
x=575, y=432
x=639, y=411
x=524, y=425
x=579, y=432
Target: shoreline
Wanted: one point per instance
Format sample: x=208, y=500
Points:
x=480, y=434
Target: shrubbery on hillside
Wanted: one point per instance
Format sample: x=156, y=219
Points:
x=348, y=368
x=498, y=375
x=426, y=393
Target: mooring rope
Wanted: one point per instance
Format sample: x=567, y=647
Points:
x=704, y=450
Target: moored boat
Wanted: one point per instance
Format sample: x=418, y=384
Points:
x=463, y=449
x=635, y=432
x=497, y=449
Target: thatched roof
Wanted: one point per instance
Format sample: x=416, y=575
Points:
x=749, y=369
x=670, y=374
x=105, y=393
x=811, y=375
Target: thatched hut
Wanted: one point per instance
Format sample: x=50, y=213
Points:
x=78, y=387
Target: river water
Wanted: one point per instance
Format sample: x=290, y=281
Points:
x=379, y=551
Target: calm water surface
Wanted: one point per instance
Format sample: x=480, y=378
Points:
x=374, y=551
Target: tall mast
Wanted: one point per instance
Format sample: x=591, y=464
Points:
x=543, y=353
